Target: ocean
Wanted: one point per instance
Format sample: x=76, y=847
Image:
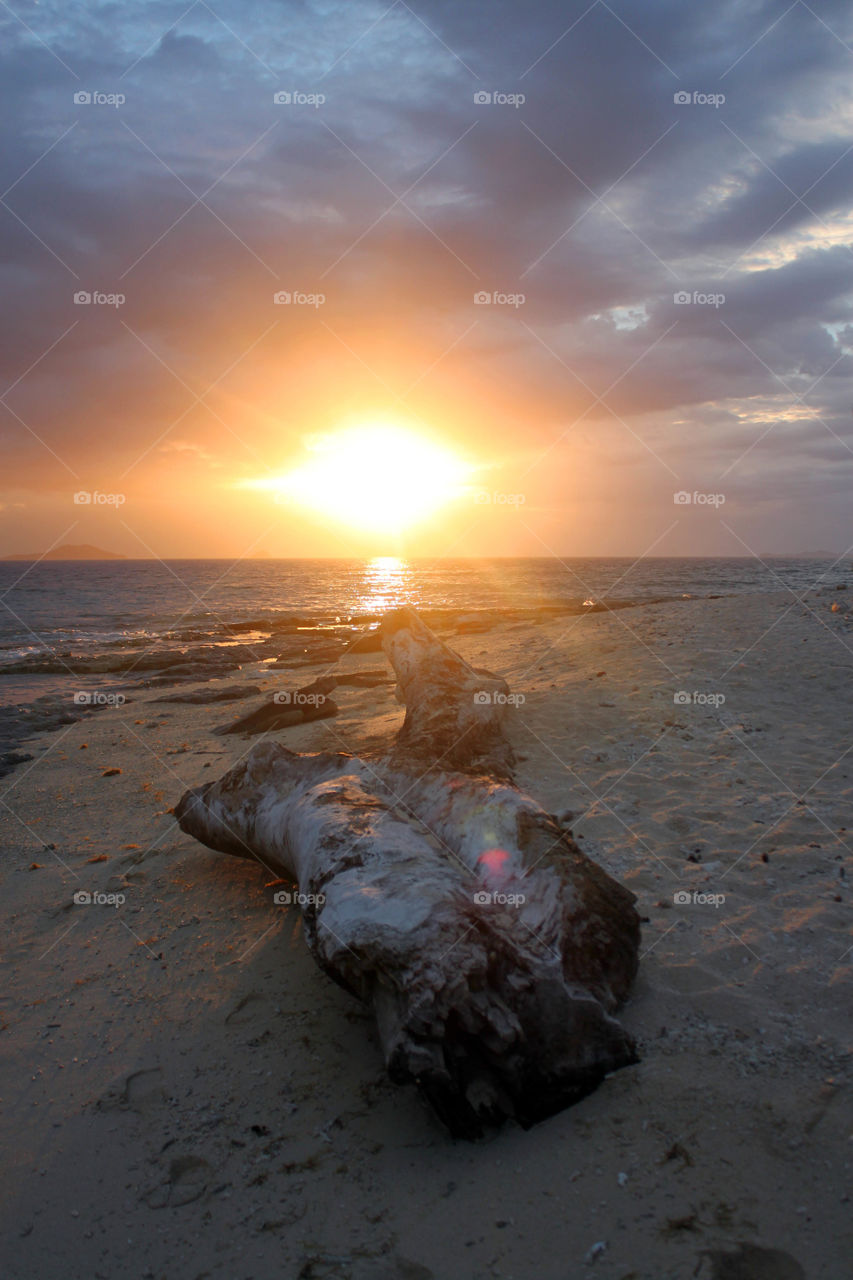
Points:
x=87, y=607
x=72, y=632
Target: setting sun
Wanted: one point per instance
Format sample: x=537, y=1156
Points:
x=376, y=477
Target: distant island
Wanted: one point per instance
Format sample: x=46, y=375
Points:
x=68, y=552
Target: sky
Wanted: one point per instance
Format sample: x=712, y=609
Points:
x=600, y=252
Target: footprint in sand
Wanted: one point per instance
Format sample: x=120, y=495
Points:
x=751, y=1262
x=141, y=1091
x=144, y=1088
x=245, y=1009
x=187, y=1180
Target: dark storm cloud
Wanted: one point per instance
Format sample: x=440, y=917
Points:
x=599, y=197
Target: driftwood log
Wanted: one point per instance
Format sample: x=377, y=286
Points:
x=491, y=950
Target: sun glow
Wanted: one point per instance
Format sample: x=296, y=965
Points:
x=378, y=478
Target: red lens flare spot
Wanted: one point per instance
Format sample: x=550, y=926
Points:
x=495, y=862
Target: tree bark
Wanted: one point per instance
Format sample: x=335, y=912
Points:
x=454, y=712
x=492, y=951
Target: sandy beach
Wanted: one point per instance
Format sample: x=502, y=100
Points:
x=426, y=640
x=186, y=1093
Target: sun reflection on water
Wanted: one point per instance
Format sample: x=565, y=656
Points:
x=388, y=583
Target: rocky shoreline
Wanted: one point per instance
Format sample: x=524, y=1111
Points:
x=192, y=655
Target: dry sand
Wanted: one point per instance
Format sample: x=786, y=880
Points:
x=184, y=1093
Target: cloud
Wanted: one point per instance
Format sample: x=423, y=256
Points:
x=400, y=197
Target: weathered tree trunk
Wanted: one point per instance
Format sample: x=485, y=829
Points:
x=454, y=712
x=491, y=950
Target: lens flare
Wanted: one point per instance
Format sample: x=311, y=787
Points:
x=496, y=863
